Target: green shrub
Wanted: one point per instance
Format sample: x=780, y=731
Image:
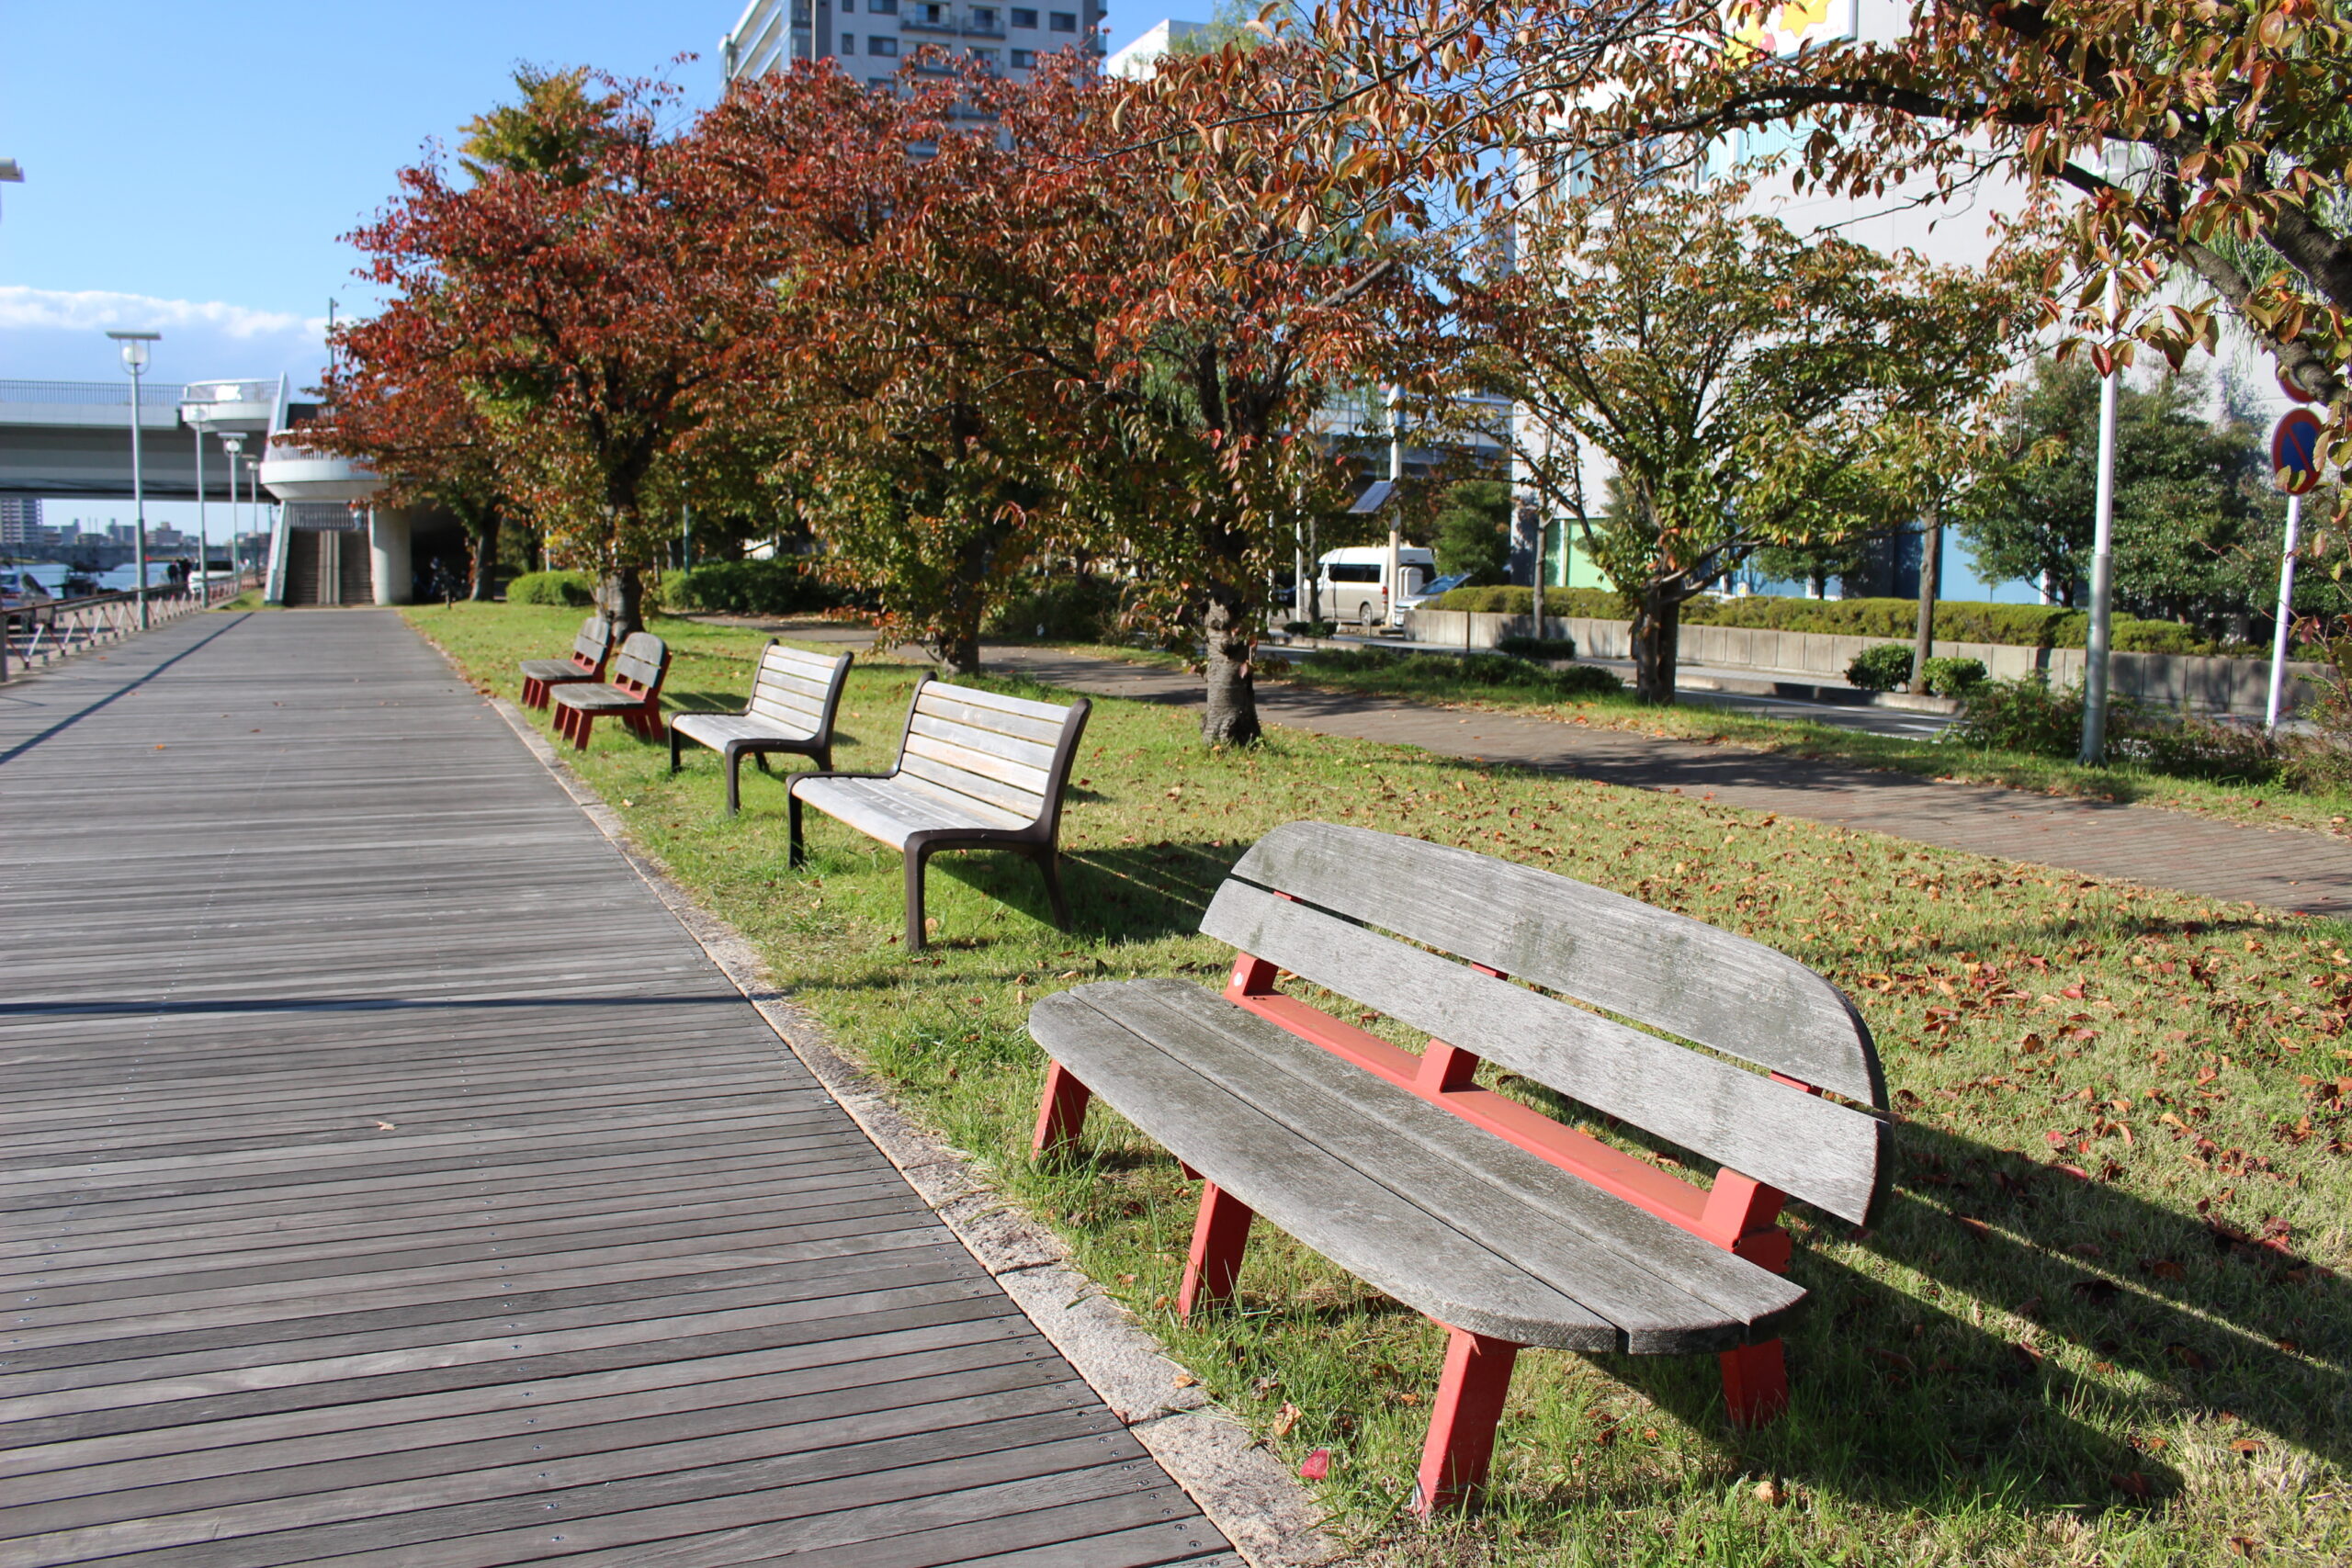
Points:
x=1595, y=603
x=1952, y=677
x=1311, y=628
x=1072, y=609
x=1880, y=668
x=782, y=586
x=1537, y=647
x=573, y=588
x=2198, y=749
x=1436, y=673
x=1957, y=620
x=2022, y=716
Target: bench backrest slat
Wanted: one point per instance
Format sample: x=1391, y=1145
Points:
x=1822, y=1152
x=1660, y=968
x=595, y=641
x=643, y=659
x=1000, y=752
x=799, y=689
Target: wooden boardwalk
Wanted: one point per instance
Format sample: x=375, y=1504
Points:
x=387, y=1179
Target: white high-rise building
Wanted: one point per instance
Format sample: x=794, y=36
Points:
x=869, y=36
x=21, y=522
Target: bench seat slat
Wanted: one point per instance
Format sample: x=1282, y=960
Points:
x=986, y=811
x=1311, y=1194
x=1825, y=1152
x=553, y=671
x=937, y=703
x=1002, y=706
x=767, y=701
x=1668, y=1291
x=882, y=810
x=1689, y=978
x=599, y=699
x=1036, y=756
x=981, y=764
x=945, y=778
x=716, y=729
x=782, y=678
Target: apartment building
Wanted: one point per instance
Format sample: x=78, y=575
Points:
x=868, y=37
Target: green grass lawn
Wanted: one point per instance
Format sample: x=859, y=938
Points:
x=1428, y=678
x=2103, y=1320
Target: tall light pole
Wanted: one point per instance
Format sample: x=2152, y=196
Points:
x=233, y=443
x=2095, y=646
x=134, y=359
x=202, y=586
x=1396, y=514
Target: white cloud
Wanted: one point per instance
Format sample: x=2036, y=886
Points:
x=92, y=309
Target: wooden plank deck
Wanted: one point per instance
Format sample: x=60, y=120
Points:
x=387, y=1179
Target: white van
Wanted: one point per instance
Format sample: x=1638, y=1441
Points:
x=1353, y=584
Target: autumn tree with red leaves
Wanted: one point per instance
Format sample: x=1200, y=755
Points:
x=590, y=301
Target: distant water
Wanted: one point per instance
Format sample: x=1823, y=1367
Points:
x=51, y=575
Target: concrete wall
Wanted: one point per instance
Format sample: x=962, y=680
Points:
x=2161, y=680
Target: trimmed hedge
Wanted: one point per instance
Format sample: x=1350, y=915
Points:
x=1070, y=609
x=572, y=588
x=779, y=587
x=1957, y=620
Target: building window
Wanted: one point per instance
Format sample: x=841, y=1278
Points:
x=1063, y=21
x=849, y=44
x=883, y=7
x=1024, y=59
x=984, y=17
x=986, y=57
x=848, y=6
x=876, y=44
x=1023, y=19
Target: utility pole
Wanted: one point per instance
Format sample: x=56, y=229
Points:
x=1396, y=515
x=2095, y=650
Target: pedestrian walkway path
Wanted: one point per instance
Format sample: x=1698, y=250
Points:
x=388, y=1179
x=2280, y=868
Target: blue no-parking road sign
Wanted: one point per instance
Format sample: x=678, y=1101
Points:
x=2294, y=451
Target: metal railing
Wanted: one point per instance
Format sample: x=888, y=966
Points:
x=35, y=635
x=230, y=392
x=95, y=394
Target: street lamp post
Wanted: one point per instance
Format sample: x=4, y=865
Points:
x=134, y=359
x=233, y=443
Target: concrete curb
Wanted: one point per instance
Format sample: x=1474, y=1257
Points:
x=1269, y=1518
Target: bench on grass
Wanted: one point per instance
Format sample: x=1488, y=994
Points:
x=793, y=698
x=634, y=692
x=590, y=649
x=1506, y=1226
x=976, y=771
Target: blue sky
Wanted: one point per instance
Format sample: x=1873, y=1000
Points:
x=189, y=169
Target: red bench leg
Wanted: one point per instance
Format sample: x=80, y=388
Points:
x=1061, y=1116
x=530, y=692
x=582, y=722
x=1756, y=1383
x=1462, y=1427
x=1220, y=1236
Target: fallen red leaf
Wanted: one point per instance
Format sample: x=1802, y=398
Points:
x=1315, y=1466
x=2133, y=1485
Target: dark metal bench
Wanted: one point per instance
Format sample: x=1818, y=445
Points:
x=1504, y=1227
x=589, y=650
x=793, y=698
x=976, y=771
x=634, y=692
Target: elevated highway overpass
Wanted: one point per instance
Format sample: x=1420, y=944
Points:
x=71, y=440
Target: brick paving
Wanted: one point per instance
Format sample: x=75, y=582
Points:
x=2286, y=868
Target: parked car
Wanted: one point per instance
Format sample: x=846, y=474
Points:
x=19, y=589
x=1437, y=587
x=1353, y=584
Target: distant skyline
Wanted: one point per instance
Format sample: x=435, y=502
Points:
x=192, y=172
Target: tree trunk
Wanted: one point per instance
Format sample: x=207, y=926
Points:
x=1658, y=635
x=1231, y=719
x=622, y=598
x=483, y=537
x=957, y=647
x=1931, y=557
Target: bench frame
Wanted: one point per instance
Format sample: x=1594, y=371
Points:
x=536, y=687
x=817, y=747
x=643, y=717
x=1736, y=1213
x=1039, y=841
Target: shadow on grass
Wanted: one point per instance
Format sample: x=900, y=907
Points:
x=1902, y=1396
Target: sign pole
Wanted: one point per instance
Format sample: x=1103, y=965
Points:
x=2096, y=646
x=2286, y=611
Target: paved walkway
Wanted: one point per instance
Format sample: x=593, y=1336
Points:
x=387, y=1179
x=2281, y=868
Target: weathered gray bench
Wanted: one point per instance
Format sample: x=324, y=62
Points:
x=634, y=692
x=1506, y=1226
x=793, y=698
x=976, y=771
x=590, y=649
